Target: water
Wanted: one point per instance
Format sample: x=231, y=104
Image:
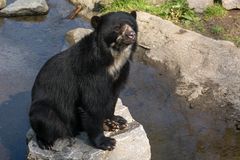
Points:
x=175, y=130
x=25, y=44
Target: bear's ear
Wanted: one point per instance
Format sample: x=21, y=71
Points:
x=134, y=14
x=95, y=21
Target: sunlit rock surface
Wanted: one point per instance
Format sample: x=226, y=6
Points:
x=231, y=4
x=2, y=3
x=199, y=61
x=25, y=8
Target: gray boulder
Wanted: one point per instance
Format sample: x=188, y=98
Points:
x=199, y=5
x=25, y=8
x=199, y=63
x=87, y=3
x=88, y=7
x=73, y=36
x=2, y=3
x=231, y=4
x=132, y=143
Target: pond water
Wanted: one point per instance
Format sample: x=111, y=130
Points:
x=25, y=44
x=175, y=130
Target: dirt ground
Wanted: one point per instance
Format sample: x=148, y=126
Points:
x=226, y=28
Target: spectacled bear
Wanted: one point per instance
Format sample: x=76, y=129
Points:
x=77, y=89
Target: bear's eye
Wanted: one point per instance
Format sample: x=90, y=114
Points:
x=117, y=28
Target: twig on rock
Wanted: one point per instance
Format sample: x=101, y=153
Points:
x=75, y=12
x=144, y=46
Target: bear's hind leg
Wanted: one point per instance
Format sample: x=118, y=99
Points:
x=47, y=125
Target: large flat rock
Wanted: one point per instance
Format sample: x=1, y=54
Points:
x=74, y=35
x=199, y=5
x=198, y=61
x=132, y=143
x=25, y=8
x=231, y=4
x=2, y=3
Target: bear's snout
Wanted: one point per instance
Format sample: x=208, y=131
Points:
x=129, y=35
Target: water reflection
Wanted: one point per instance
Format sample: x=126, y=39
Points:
x=30, y=19
x=1, y=21
x=4, y=153
x=14, y=125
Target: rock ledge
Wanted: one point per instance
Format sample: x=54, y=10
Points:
x=200, y=63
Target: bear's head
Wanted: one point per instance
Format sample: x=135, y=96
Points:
x=117, y=29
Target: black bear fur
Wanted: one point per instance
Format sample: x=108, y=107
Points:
x=77, y=89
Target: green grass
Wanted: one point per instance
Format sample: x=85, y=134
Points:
x=197, y=26
x=217, y=30
x=125, y=5
x=234, y=39
x=215, y=11
x=178, y=12
x=174, y=10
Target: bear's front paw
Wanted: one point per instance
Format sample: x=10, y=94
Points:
x=122, y=123
x=109, y=125
x=105, y=143
x=114, y=124
x=119, y=120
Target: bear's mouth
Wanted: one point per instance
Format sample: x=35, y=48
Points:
x=129, y=39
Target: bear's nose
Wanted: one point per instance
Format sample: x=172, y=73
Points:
x=131, y=35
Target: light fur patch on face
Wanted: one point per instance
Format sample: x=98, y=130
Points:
x=123, y=32
x=120, y=59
